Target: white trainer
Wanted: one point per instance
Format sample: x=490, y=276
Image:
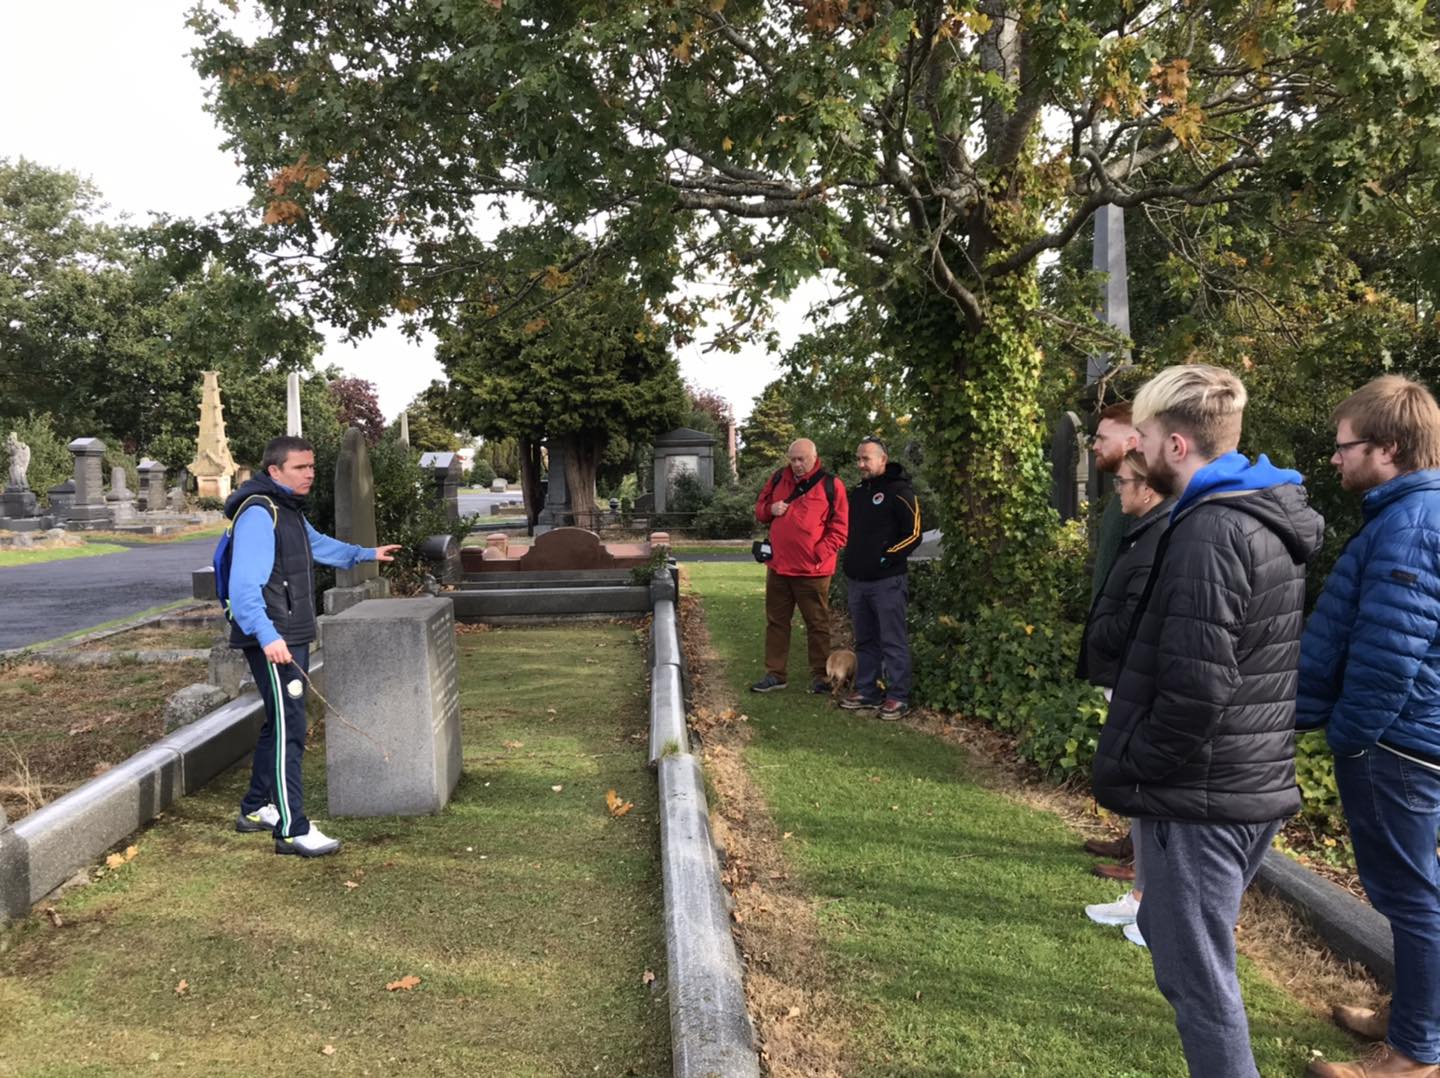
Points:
x=313, y=843
x=264, y=819
x=1135, y=936
x=1122, y=911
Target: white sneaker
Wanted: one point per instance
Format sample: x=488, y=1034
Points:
x=1122, y=911
x=313, y=843
x=1132, y=933
x=263, y=820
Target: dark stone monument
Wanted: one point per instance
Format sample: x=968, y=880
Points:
x=1070, y=466
x=152, y=486
x=677, y=453
x=89, y=511
x=442, y=554
x=62, y=498
x=557, y=512
x=445, y=471
x=355, y=523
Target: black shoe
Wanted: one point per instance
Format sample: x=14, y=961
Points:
x=820, y=687
x=768, y=683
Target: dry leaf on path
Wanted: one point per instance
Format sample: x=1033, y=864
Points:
x=328, y=1050
x=405, y=983
x=616, y=806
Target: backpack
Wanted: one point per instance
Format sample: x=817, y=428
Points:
x=225, y=551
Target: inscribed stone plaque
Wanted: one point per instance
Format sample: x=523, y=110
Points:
x=392, y=739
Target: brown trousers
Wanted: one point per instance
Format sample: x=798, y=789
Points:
x=782, y=595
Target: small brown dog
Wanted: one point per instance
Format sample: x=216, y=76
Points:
x=840, y=669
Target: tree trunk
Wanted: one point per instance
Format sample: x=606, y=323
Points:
x=529, y=454
x=984, y=442
x=582, y=462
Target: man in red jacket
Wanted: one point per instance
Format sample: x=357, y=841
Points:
x=809, y=519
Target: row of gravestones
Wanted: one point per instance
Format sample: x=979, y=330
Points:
x=82, y=502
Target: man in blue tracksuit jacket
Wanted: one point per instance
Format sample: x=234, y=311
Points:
x=272, y=606
x=1370, y=673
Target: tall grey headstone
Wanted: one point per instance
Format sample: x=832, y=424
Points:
x=152, y=486
x=405, y=428
x=394, y=749
x=292, y=404
x=89, y=510
x=355, y=523
x=1109, y=259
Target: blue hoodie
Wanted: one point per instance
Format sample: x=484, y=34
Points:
x=1231, y=473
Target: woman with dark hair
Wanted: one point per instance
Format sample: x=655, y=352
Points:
x=1108, y=629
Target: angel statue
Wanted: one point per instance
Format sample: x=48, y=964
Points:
x=19, y=454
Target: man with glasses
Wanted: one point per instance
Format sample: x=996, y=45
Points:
x=1370, y=673
x=884, y=528
x=1114, y=437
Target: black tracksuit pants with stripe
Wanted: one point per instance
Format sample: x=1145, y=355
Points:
x=280, y=749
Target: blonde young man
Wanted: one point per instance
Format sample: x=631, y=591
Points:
x=1370, y=674
x=1199, y=743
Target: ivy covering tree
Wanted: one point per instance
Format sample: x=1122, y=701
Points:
x=927, y=153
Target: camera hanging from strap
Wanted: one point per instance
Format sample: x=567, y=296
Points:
x=760, y=549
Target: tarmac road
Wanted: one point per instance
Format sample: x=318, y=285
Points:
x=49, y=599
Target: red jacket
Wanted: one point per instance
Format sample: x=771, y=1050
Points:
x=808, y=536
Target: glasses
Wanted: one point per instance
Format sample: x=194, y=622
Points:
x=1138, y=480
x=1341, y=447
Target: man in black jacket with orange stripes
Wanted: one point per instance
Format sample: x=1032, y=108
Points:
x=884, y=529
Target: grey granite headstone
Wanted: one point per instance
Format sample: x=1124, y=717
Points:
x=89, y=509
x=121, y=499
x=444, y=470
x=678, y=453
x=355, y=506
x=392, y=742
x=152, y=486
x=62, y=499
x=443, y=555
x=499, y=485
x=557, y=512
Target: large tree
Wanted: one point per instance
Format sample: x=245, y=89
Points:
x=591, y=373
x=107, y=328
x=928, y=153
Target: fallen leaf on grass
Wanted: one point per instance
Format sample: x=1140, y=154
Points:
x=115, y=860
x=54, y=915
x=648, y=977
x=513, y=744
x=182, y=987
x=100, y=769
x=557, y=789
x=616, y=806
x=351, y=884
x=787, y=834
x=328, y=1050
x=404, y=984
x=551, y=711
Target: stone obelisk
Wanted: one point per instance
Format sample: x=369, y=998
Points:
x=213, y=466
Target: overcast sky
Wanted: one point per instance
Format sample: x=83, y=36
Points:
x=105, y=89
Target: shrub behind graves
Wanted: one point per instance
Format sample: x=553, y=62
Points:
x=50, y=461
x=730, y=515
x=482, y=472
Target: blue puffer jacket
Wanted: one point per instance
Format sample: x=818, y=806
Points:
x=1370, y=657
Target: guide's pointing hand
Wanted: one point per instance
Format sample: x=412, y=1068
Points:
x=383, y=553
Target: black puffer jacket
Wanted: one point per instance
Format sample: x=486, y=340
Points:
x=1202, y=723
x=1108, y=626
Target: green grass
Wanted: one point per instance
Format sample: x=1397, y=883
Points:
x=59, y=553
x=530, y=915
x=952, y=915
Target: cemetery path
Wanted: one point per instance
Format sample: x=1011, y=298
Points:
x=49, y=599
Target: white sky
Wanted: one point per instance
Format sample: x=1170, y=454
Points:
x=105, y=89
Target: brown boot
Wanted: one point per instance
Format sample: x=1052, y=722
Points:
x=1382, y=1062
x=1362, y=1021
x=1120, y=849
x=1114, y=872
